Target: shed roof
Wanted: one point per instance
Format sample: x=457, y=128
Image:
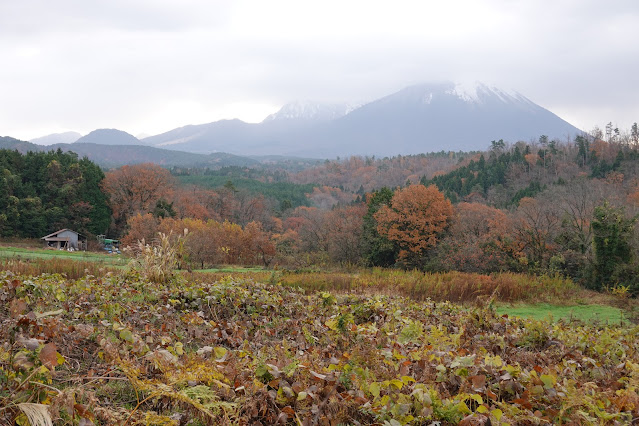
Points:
x=50, y=236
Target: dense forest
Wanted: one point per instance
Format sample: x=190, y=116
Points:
x=43, y=192
x=543, y=207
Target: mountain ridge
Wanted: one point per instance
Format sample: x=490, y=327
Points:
x=109, y=156
x=426, y=117
x=420, y=118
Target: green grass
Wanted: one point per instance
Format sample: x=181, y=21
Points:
x=26, y=253
x=545, y=311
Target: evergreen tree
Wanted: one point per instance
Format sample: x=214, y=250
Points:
x=41, y=192
x=611, y=240
x=378, y=250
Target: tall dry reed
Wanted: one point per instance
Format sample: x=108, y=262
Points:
x=452, y=286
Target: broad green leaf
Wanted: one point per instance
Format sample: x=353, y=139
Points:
x=477, y=398
x=411, y=332
x=332, y=324
x=407, y=379
x=493, y=361
x=497, y=413
x=463, y=408
x=126, y=335
x=179, y=348
x=219, y=352
x=374, y=389
x=548, y=380
x=397, y=383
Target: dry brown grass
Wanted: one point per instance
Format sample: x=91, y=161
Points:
x=72, y=269
x=452, y=286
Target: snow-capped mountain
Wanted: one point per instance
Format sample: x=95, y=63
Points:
x=420, y=118
x=309, y=111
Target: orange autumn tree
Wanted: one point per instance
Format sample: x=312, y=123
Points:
x=136, y=189
x=414, y=220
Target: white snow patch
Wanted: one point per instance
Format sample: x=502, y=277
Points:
x=307, y=110
x=427, y=98
x=474, y=92
x=179, y=140
x=466, y=92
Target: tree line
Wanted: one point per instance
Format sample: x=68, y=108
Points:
x=41, y=192
x=538, y=207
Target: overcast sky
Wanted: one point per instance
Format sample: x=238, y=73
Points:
x=148, y=66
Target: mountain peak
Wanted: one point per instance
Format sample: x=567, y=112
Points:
x=109, y=137
x=420, y=118
x=479, y=92
x=468, y=92
x=66, y=137
x=309, y=111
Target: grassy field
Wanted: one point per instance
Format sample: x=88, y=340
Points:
x=32, y=253
x=594, y=314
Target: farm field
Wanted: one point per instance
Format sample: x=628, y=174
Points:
x=590, y=313
x=117, y=349
x=32, y=253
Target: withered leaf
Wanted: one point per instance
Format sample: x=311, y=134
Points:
x=317, y=376
x=49, y=356
x=478, y=382
x=17, y=307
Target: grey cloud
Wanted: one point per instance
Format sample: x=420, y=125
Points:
x=113, y=61
x=35, y=17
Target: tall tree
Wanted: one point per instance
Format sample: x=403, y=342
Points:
x=537, y=224
x=480, y=239
x=414, y=220
x=345, y=233
x=378, y=250
x=136, y=189
x=611, y=239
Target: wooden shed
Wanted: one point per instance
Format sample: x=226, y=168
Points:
x=65, y=239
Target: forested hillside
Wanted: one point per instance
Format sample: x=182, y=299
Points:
x=41, y=192
x=542, y=207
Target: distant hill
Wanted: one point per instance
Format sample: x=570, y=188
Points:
x=66, y=137
x=417, y=119
x=109, y=137
x=117, y=155
x=7, y=142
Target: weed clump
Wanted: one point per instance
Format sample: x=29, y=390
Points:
x=156, y=262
